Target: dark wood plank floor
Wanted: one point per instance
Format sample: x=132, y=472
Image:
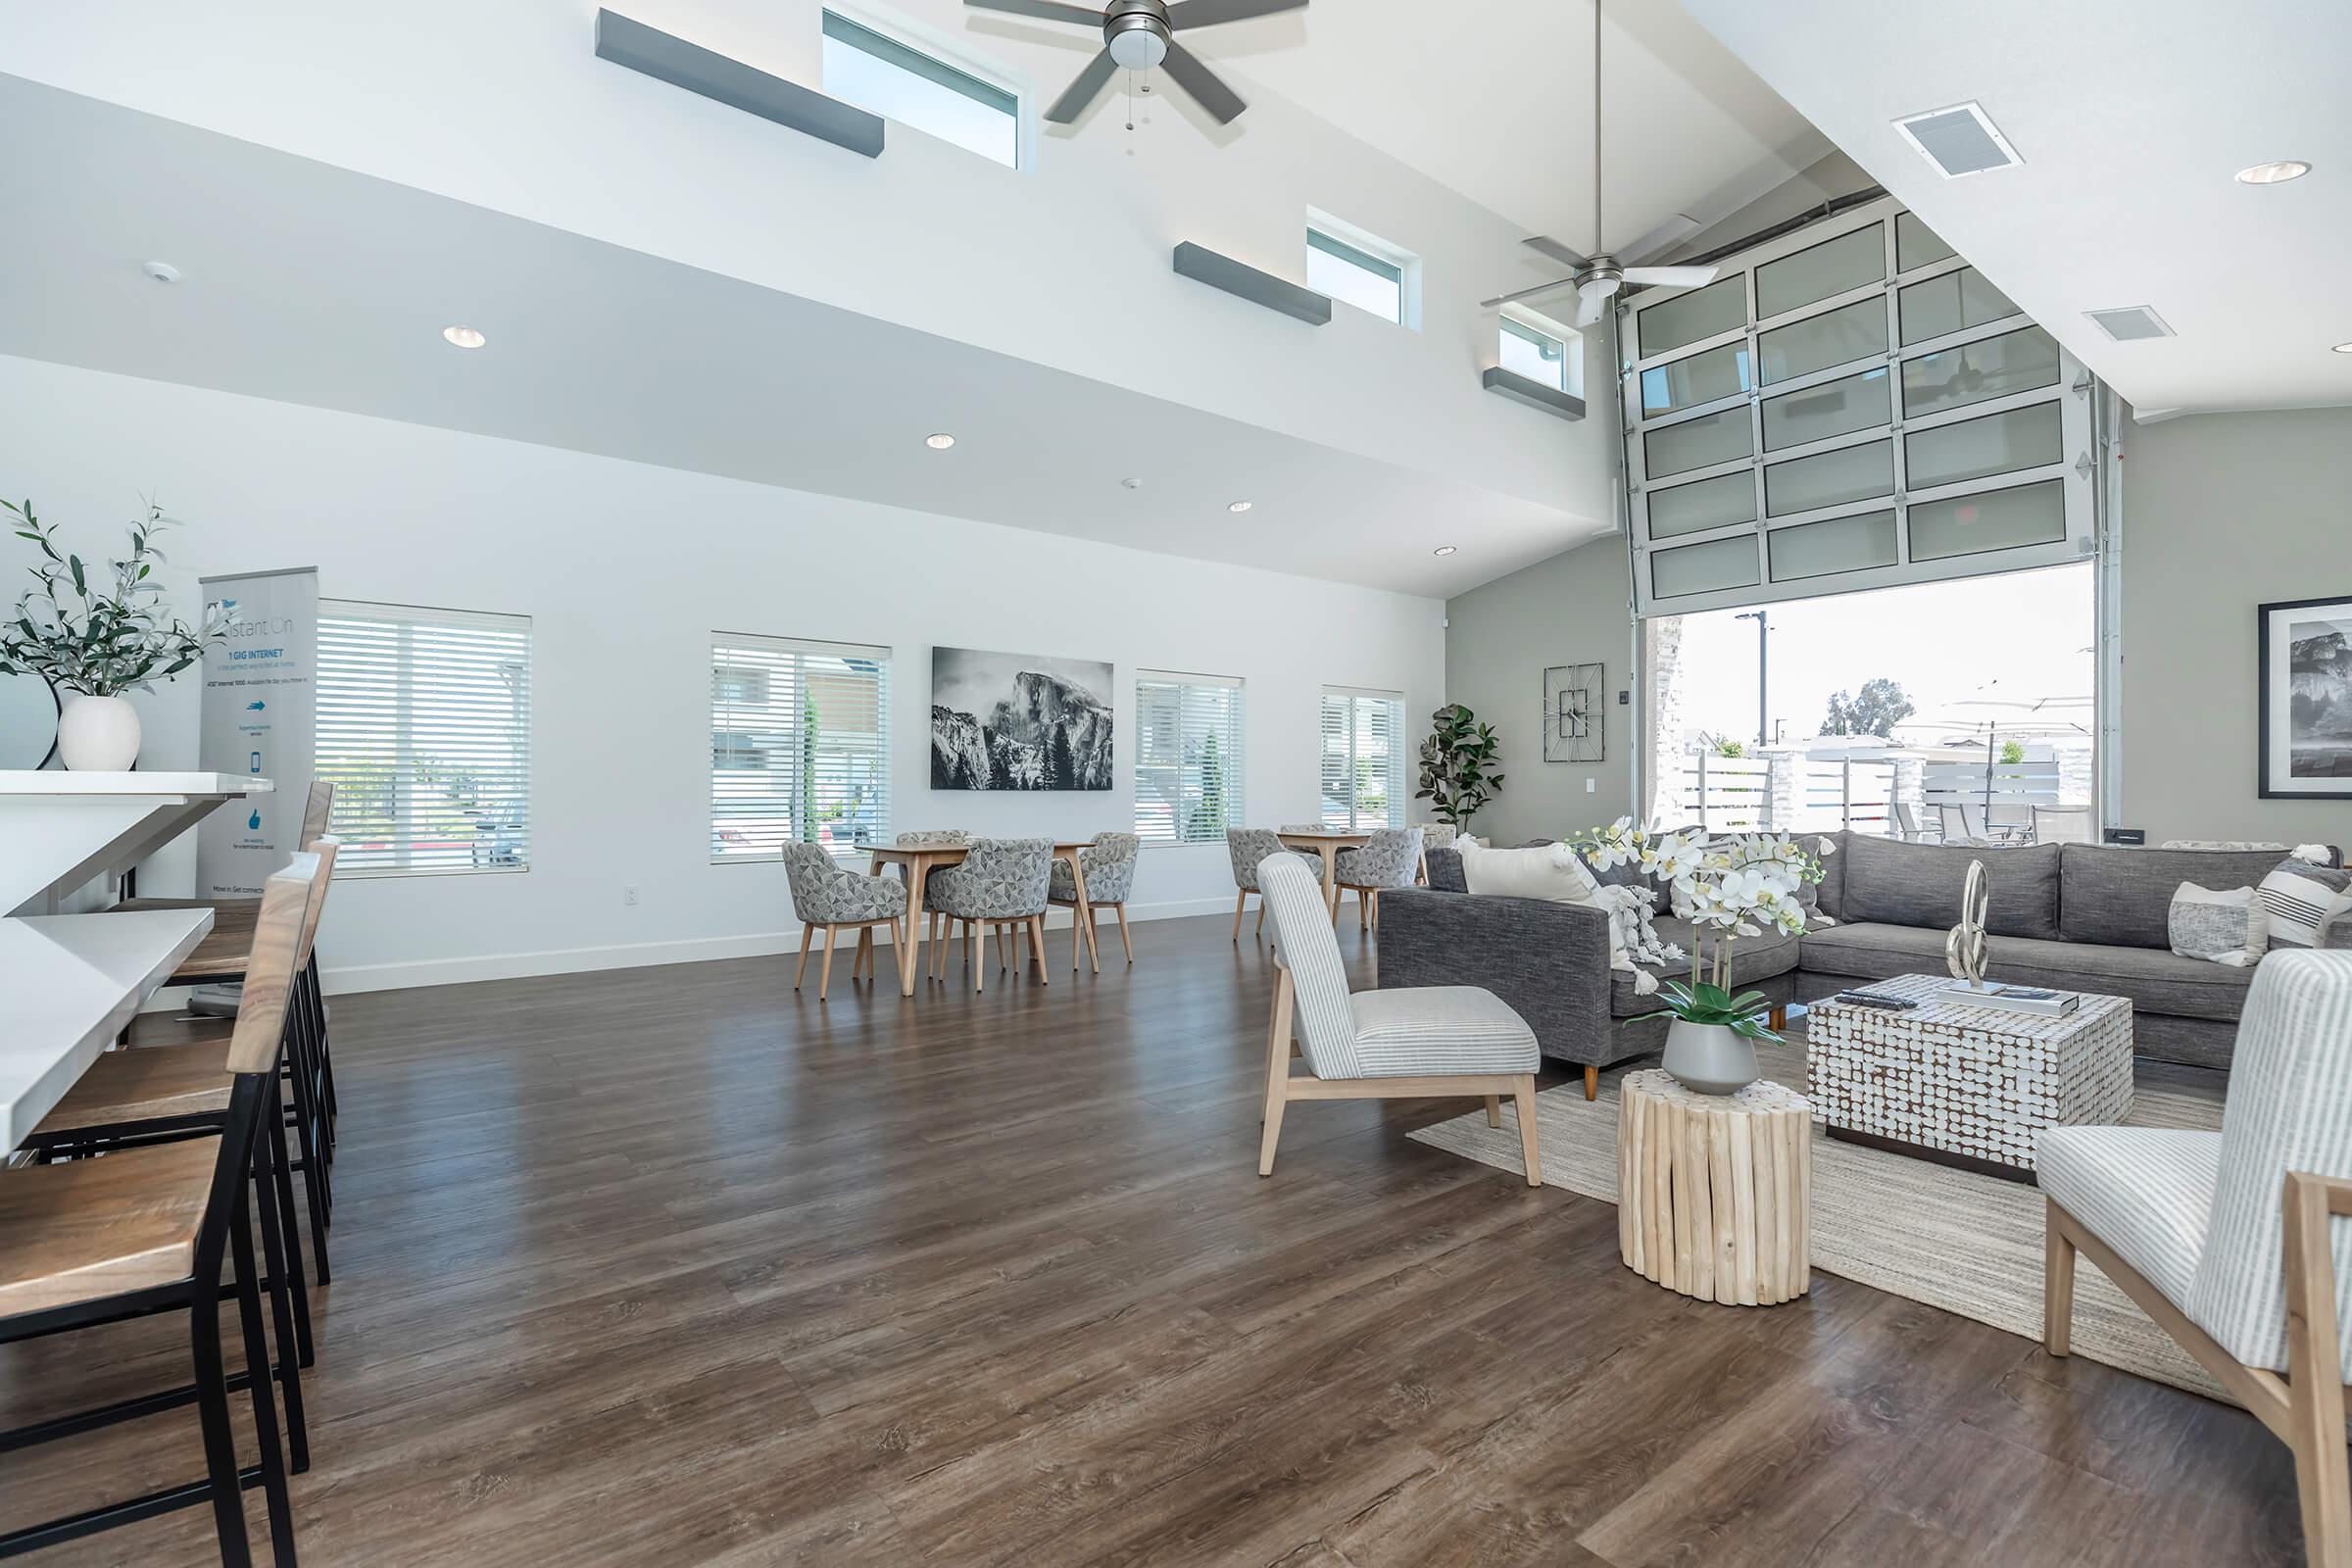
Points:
x=678, y=1266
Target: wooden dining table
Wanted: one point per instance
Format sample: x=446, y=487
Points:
x=1329, y=842
x=916, y=863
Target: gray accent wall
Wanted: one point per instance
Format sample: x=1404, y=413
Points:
x=1574, y=608
x=2220, y=513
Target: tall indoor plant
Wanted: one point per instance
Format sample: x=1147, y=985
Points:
x=1458, y=766
x=1733, y=886
x=95, y=633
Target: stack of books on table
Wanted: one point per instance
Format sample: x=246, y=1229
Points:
x=2010, y=999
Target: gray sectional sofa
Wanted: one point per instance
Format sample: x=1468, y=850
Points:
x=2075, y=916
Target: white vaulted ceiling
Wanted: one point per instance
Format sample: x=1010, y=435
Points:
x=2131, y=122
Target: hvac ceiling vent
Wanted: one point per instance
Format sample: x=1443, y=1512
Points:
x=2131, y=325
x=1960, y=140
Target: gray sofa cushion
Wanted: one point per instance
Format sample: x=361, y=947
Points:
x=2157, y=981
x=1446, y=870
x=2122, y=897
x=1754, y=959
x=1891, y=883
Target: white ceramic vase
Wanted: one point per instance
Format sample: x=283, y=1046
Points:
x=1709, y=1057
x=99, y=735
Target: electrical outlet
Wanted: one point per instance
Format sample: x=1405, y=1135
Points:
x=1591, y=785
x=628, y=894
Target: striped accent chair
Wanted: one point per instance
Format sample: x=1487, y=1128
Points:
x=2239, y=1243
x=1414, y=1044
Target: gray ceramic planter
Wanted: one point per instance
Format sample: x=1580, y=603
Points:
x=1709, y=1057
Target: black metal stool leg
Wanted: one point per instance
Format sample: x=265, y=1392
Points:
x=289, y=1347
x=212, y=1412
x=281, y=1179
x=257, y=1382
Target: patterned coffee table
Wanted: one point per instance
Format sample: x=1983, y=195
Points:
x=1961, y=1084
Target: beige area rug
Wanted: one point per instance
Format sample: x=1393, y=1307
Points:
x=1953, y=1239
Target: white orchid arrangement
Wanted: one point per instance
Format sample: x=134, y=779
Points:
x=1735, y=887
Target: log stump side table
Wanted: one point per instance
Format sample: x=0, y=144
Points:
x=1713, y=1190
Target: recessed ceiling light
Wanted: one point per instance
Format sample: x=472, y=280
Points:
x=464, y=337
x=161, y=271
x=940, y=441
x=2273, y=173
x=1442, y=550
x=1131, y=484
x=2343, y=348
x=1239, y=505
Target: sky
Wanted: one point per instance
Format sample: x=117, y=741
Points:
x=2015, y=637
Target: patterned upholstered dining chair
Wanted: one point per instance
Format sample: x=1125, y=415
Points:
x=2238, y=1243
x=1001, y=883
x=1109, y=866
x=1250, y=847
x=1390, y=858
x=1410, y=1042
x=824, y=895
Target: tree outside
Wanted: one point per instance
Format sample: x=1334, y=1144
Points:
x=1882, y=704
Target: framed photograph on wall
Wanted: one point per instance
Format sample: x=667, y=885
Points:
x=1019, y=722
x=2306, y=713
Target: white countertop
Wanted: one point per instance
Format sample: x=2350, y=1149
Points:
x=62, y=781
x=72, y=981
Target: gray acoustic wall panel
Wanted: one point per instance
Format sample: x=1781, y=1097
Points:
x=1205, y=266
x=1535, y=394
x=632, y=43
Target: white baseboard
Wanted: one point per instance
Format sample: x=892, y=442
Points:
x=341, y=980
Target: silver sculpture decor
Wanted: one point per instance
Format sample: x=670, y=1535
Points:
x=1964, y=951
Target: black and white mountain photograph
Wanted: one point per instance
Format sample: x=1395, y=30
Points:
x=1016, y=721
x=2318, y=665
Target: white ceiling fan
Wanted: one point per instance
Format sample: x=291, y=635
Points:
x=1598, y=276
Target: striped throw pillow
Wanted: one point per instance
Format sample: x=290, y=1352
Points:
x=2308, y=906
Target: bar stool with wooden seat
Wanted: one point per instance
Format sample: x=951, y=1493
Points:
x=162, y=1094
x=145, y=1229
x=219, y=960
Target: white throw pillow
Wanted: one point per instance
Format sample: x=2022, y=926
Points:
x=2308, y=905
x=2229, y=927
x=1552, y=872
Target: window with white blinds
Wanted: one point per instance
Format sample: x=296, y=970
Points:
x=1187, y=756
x=800, y=745
x=424, y=726
x=1363, y=758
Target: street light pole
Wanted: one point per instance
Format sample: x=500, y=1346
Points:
x=1763, y=670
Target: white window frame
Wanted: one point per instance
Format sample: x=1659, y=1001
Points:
x=1519, y=321
x=2071, y=391
x=1400, y=778
x=794, y=653
x=1231, y=737
x=946, y=53
x=355, y=859
x=1346, y=236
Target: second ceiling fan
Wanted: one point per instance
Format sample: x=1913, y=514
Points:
x=1599, y=277
x=1139, y=34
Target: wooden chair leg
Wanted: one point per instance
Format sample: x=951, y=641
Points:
x=2057, y=1284
x=1592, y=1083
x=1376, y=909
x=1363, y=910
x=1262, y=914
x=971, y=937
x=1078, y=937
x=1278, y=1074
x=1125, y=941
x=824, y=971
x=865, y=954
x=2314, y=1369
x=1523, y=1100
x=1241, y=901
x=1494, y=1110
x=801, y=968
x=1037, y=946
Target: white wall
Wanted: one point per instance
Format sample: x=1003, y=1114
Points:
x=625, y=569
x=1066, y=263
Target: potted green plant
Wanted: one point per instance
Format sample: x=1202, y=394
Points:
x=1458, y=766
x=96, y=633
x=1734, y=887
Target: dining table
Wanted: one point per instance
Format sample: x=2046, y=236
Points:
x=1328, y=842
x=916, y=863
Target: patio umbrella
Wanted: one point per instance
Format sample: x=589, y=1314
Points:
x=1994, y=719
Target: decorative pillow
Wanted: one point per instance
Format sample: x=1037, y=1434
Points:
x=2221, y=927
x=1553, y=872
x=2307, y=904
